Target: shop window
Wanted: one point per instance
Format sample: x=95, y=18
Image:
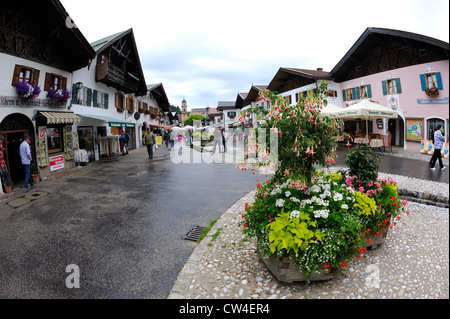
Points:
x=25, y=73
x=55, y=139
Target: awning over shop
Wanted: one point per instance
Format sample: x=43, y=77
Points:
x=60, y=117
x=112, y=122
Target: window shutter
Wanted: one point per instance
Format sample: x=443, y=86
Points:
x=344, y=96
x=89, y=97
x=94, y=99
x=36, y=76
x=106, y=98
x=358, y=93
x=74, y=94
x=423, y=82
x=48, y=81
x=399, y=85
x=369, y=91
x=116, y=100
x=16, y=74
x=353, y=93
x=335, y=93
x=439, y=80
x=383, y=83
x=64, y=83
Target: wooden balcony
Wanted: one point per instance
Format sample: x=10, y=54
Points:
x=114, y=76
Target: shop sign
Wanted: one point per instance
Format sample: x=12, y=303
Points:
x=11, y=101
x=56, y=162
x=433, y=101
x=121, y=124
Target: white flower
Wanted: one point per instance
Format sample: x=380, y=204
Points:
x=337, y=197
x=279, y=202
x=295, y=214
x=344, y=206
x=322, y=213
x=288, y=193
x=294, y=199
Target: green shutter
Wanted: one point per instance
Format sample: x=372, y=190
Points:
x=439, y=80
x=399, y=85
x=74, y=93
x=369, y=91
x=353, y=93
x=344, y=96
x=89, y=97
x=95, y=99
x=106, y=98
x=358, y=92
x=383, y=83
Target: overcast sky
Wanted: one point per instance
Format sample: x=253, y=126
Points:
x=207, y=51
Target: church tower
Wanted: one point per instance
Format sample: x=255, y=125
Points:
x=184, y=114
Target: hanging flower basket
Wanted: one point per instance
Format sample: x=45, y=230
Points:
x=433, y=91
x=27, y=91
x=60, y=96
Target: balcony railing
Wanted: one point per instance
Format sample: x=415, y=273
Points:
x=112, y=75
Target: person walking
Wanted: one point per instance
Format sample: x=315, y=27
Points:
x=439, y=140
x=149, y=140
x=25, y=155
x=172, y=139
x=217, y=140
x=123, y=143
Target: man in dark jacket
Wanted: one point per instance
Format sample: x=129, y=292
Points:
x=149, y=139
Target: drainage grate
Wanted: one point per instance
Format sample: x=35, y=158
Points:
x=194, y=233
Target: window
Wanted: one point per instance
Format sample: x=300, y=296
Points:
x=364, y=91
x=391, y=86
x=288, y=100
x=55, y=81
x=231, y=115
x=130, y=103
x=349, y=94
x=429, y=79
x=54, y=139
x=119, y=101
x=25, y=73
x=332, y=93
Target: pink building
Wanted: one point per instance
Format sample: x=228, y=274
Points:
x=395, y=69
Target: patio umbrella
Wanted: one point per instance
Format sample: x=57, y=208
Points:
x=330, y=110
x=367, y=110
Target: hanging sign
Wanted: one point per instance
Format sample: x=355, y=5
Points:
x=56, y=162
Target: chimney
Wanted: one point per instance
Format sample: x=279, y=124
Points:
x=319, y=69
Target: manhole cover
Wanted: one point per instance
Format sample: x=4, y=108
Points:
x=194, y=233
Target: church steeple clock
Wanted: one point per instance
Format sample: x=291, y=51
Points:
x=184, y=114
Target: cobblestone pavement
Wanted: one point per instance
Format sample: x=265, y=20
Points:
x=413, y=263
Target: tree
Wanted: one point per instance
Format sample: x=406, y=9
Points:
x=194, y=117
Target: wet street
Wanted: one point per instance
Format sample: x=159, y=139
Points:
x=122, y=223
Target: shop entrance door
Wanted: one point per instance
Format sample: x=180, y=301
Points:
x=86, y=140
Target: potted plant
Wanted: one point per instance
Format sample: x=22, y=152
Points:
x=34, y=172
x=26, y=90
x=60, y=96
x=433, y=91
x=307, y=223
x=7, y=181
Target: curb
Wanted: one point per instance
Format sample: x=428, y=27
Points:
x=439, y=200
x=184, y=279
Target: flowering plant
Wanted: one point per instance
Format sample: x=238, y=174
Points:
x=27, y=90
x=432, y=91
x=61, y=95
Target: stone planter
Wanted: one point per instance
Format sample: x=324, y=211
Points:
x=287, y=272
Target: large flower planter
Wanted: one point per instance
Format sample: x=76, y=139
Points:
x=36, y=178
x=373, y=240
x=286, y=272
x=8, y=189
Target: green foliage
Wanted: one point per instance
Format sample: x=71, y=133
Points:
x=6, y=179
x=292, y=233
x=194, y=117
x=363, y=163
x=364, y=204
